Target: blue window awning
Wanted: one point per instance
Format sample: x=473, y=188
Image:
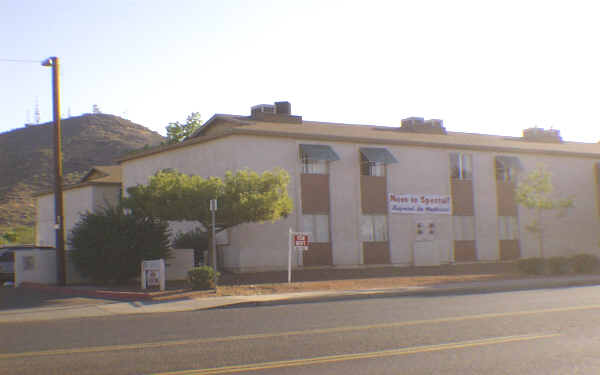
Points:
x=318, y=152
x=378, y=155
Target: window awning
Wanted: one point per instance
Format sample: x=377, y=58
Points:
x=510, y=162
x=318, y=152
x=378, y=155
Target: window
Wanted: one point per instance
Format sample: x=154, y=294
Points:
x=464, y=228
x=373, y=228
x=508, y=228
x=461, y=166
x=507, y=168
x=315, y=166
x=371, y=168
x=318, y=226
x=315, y=158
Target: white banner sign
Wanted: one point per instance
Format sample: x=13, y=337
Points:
x=420, y=204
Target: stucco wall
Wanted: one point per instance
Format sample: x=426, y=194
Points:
x=178, y=266
x=43, y=269
x=577, y=231
x=75, y=202
x=486, y=206
x=420, y=170
x=252, y=246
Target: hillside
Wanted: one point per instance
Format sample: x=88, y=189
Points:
x=26, y=157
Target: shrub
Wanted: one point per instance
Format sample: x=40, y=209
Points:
x=559, y=265
x=202, y=278
x=109, y=245
x=585, y=263
x=532, y=266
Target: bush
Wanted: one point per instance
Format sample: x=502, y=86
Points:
x=532, y=266
x=202, y=278
x=109, y=245
x=585, y=263
x=559, y=265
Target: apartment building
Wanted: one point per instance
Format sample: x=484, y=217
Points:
x=412, y=194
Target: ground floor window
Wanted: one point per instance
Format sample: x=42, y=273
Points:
x=318, y=226
x=373, y=228
x=464, y=228
x=508, y=228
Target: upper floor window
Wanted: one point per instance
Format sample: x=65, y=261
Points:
x=315, y=158
x=507, y=168
x=371, y=168
x=461, y=166
x=374, y=159
x=315, y=166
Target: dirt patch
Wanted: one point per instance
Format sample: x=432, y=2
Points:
x=351, y=284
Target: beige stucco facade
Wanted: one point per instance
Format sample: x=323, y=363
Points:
x=76, y=201
x=421, y=169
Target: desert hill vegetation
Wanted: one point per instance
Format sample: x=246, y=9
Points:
x=26, y=158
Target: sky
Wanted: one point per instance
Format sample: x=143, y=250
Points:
x=493, y=67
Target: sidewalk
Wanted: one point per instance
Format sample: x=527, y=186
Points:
x=140, y=307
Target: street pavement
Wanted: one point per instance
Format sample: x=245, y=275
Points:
x=69, y=308
x=542, y=331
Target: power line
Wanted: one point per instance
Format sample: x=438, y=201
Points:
x=21, y=61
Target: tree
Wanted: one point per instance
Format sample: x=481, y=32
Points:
x=535, y=193
x=109, y=245
x=243, y=197
x=178, y=132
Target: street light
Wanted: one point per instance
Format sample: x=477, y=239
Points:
x=61, y=259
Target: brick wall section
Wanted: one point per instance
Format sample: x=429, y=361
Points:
x=315, y=193
x=376, y=252
x=464, y=251
x=507, y=206
x=318, y=254
x=373, y=194
x=462, y=198
x=509, y=249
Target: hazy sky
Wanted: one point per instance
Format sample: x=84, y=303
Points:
x=488, y=67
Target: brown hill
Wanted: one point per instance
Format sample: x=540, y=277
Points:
x=26, y=157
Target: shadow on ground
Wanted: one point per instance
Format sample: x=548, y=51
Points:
x=24, y=298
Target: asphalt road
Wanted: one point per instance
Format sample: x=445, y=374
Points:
x=553, y=331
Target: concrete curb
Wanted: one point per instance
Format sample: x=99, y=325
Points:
x=95, y=293
x=145, y=305
x=435, y=291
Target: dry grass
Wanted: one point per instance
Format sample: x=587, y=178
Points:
x=339, y=285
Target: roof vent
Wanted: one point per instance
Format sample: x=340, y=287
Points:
x=279, y=112
x=283, y=108
x=262, y=108
x=542, y=135
x=420, y=125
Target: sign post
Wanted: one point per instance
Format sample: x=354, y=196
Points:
x=213, y=209
x=300, y=242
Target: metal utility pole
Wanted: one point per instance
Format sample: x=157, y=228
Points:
x=61, y=259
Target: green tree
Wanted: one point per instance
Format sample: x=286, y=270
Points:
x=178, y=132
x=19, y=234
x=243, y=197
x=535, y=192
x=109, y=245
